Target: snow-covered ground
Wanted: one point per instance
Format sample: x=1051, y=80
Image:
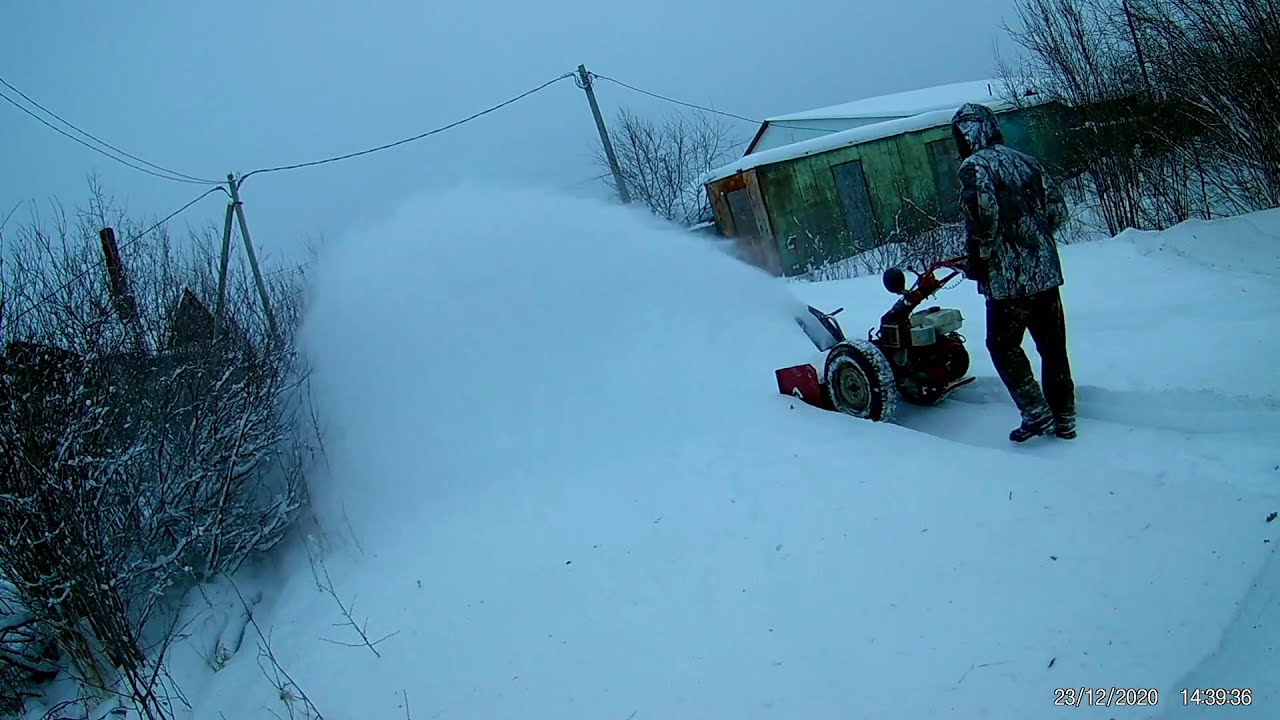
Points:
x=563, y=482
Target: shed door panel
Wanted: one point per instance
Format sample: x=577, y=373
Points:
x=945, y=162
x=752, y=241
x=744, y=216
x=855, y=198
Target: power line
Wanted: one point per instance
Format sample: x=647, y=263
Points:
x=420, y=136
x=127, y=243
x=65, y=134
x=170, y=174
x=707, y=109
x=673, y=100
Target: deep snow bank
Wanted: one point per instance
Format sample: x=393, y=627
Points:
x=573, y=492
x=489, y=334
x=1246, y=659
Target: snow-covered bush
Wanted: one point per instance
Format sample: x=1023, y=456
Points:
x=663, y=161
x=26, y=652
x=139, y=454
x=1175, y=101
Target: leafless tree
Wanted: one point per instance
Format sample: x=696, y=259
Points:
x=1220, y=61
x=139, y=454
x=663, y=162
x=1174, y=101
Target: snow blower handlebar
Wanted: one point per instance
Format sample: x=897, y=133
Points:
x=927, y=283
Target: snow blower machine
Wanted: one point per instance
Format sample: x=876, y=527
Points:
x=918, y=356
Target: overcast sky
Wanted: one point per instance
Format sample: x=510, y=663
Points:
x=233, y=85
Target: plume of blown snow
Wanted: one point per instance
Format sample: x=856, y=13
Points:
x=481, y=337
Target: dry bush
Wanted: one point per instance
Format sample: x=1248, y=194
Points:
x=1174, y=100
x=663, y=162
x=139, y=454
x=27, y=652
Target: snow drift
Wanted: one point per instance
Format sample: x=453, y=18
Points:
x=564, y=484
x=481, y=337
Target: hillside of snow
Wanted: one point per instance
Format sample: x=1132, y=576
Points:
x=562, y=484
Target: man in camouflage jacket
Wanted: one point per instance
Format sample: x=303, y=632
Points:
x=1011, y=211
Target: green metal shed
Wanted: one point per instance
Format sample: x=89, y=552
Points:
x=802, y=205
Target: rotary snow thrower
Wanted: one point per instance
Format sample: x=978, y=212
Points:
x=918, y=356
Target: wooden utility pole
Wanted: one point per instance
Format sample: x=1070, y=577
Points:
x=122, y=297
x=584, y=82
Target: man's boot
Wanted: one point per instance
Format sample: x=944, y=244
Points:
x=1064, y=426
x=1032, y=428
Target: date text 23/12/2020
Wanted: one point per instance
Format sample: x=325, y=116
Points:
x=1148, y=697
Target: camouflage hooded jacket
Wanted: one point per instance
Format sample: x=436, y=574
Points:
x=1011, y=209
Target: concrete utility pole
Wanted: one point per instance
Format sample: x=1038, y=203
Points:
x=584, y=82
x=238, y=207
x=222, y=271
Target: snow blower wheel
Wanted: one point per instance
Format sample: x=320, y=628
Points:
x=860, y=381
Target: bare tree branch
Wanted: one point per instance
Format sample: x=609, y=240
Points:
x=347, y=610
x=663, y=162
x=1175, y=101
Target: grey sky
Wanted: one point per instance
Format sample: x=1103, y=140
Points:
x=208, y=88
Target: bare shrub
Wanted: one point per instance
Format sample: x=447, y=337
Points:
x=1174, y=100
x=139, y=454
x=1219, y=60
x=663, y=162
x=27, y=652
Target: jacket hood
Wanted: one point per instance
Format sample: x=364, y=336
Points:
x=975, y=128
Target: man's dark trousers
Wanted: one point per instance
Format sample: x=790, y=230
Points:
x=1041, y=314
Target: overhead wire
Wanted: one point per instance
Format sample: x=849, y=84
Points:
x=703, y=108
x=164, y=173
x=173, y=175
x=407, y=140
x=673, y=100
x=218, y=185
x=126, y=244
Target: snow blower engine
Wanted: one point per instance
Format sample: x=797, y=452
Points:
x=916, y=355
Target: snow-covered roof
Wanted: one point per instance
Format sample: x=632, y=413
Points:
x=905, y=104
x=834, y=141
x=864, y=133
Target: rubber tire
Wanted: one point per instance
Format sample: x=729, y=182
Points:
x=862, y=357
